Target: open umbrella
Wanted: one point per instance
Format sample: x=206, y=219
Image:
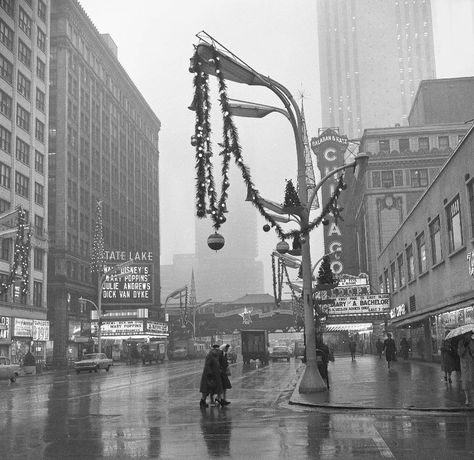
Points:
x=461, y=330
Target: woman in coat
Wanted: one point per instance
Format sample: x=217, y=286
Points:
x=449, y=360
x=225, y=372
x=211, y=381
x=466, y=356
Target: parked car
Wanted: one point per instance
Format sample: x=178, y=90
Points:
x=93, y=362
x=153, y=351
x=179, y=353
x=280, y=352
x=8, y=371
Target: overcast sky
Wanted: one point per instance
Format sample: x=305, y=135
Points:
x=276, y=37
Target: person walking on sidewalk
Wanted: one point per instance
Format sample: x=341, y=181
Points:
x=379, y=347
x=404, y=348
x=225, y=372
x=390, y=349
x=352, y=348
x=211, y=381
x=449, y=360
x=466, y=356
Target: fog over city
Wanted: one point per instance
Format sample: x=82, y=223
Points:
x=277, y=38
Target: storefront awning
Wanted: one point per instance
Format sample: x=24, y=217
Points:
x=353, y=327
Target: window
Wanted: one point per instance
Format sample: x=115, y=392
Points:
x=39, y=194
x=384, y=146
x=381, y=288
x=8, y=6
x=398, y=178
x=5, y=104
x=6, y=35
x=22, y=185
x=42, y=10
x=403, y=145
x=401, y=270
x=435, y=240
x=410, y=263
x=424, y=144
x=470, y=193
x=24, y=21
x=39, y=162
x=386, y=281
x=387, y=179
x=24, y=54
x=453, y=217
x=40, y=100
x=23, y=86
x=419, y=177
x=38, y=259
x=39, y=130
x=6, y=69
x=22, y=118
x=4, y=205
x=393, y=275
x=421, y=248
x=40, y=69
x=5, y=140
x=443, y=142
x=376, y=182
x=5, y=173
x=39, y=225
x=5, y=249
x=37, y=294
x=41, y=39
x=412, y=303
x=22, y=151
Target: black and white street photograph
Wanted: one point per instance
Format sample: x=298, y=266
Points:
x=236, y=229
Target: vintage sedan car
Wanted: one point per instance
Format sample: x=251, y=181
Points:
x=179, y=353
x=280, y=352
x=93, y=362
x=8, y=371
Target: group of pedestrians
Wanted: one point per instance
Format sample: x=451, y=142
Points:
x=215, y=377
x=389, y=347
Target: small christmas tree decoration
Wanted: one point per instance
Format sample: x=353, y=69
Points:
x=98, y=255
x=216, y=241
x=291, y=196
x=282, y=247
x=326, y=279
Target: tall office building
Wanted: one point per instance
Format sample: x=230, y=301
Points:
x=372, y=56
x=233, y=271
x=24, y=57
x=103, y=145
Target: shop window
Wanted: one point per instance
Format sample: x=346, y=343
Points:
x=453, y=217
x=421, y=249
x=435, y=240
x=410, y=263
x=401, y=270
x=403, y=145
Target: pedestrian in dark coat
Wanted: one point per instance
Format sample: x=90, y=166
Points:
x=390, y=349
x=211, y=381
x=404, y=348
x=379, y=347
x=466, y=355
x=449, y=359
x=225, y=372
x=352, y=348
x=322, y=359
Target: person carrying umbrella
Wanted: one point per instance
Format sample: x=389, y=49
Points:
x=466, y=356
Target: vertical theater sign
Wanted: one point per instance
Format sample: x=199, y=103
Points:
x=329, y=148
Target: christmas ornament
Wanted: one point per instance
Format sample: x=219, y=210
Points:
x=282, y=247
x=216, y=241
x=266, y=228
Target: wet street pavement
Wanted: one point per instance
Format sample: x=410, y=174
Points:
x=153, y=412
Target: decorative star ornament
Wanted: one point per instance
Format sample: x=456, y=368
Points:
x=246, y=318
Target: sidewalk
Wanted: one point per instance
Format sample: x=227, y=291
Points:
x=366, y=383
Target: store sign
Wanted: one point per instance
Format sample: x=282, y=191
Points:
x=376, y=305
x=40, y=330
x=398, y=311
x=329, y=149
x=130, y=327
x=157, y=328
x=132, y=285
x=4, y=328
x=350, y=280
x=22, y=327
x=342, y=291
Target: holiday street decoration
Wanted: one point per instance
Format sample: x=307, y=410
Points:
x=98, y=254
x=246, y=316
x=292, y=199
x=216, y=241
x=277, y=276
x=20, y=257
x=326, y=279
x=282, y=247
x=207, y=200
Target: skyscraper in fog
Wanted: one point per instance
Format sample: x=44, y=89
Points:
x=372, y=56
x=232, y=271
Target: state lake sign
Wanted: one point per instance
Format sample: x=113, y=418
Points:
x=375, y=304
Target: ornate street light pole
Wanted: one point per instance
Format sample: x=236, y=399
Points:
x=234, y=69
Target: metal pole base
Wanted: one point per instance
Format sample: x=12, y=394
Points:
x=312, y=382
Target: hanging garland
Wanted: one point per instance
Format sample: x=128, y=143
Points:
x=20, y=256
x=230, y=146
x=297, y=304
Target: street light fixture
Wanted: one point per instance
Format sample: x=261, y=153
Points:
x=234, y=69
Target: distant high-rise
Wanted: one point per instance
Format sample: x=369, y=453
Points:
x=372, y=56
x=233, y=271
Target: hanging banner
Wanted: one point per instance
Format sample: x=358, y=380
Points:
x=22, y=327
x=40, y=330
x=4, y=328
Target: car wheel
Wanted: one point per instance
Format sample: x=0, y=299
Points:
x=107, y=369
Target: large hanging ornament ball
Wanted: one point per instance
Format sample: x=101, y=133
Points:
x=266, y=228
x=282, y=247
x=215, y=241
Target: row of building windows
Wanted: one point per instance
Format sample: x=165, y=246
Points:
x=41, y=10
x=6, y=67
x=14, y=293
x=417, y=178
x=22, y=121
x=416, y=255
x=22, y=150
x=22, y=184
x=423, y=144
x=6, y=254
